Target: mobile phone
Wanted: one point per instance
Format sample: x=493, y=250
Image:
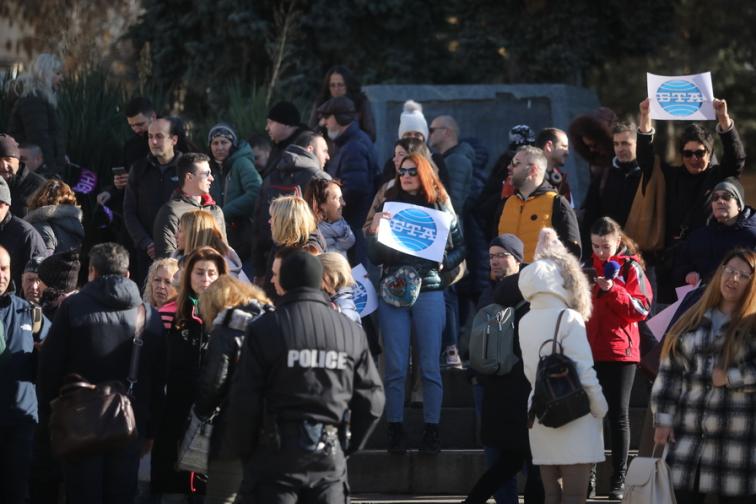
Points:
x=119, y=170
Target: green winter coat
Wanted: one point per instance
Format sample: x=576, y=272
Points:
x=241, y=183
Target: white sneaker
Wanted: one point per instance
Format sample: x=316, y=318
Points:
x=452, y=357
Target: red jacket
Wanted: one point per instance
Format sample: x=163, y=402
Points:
x=613, y=327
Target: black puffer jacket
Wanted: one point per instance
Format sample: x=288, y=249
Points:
x=223, y=353
x=391, y=259
x=23, y=185
x=59, y=225
x=22, y=242
x=92, y=335
x=35, y=120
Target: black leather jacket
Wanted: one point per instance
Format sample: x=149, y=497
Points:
x=223, y=353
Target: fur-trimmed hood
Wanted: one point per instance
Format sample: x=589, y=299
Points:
x=555, y=274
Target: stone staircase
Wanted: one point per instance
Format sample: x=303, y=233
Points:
x=377, y=476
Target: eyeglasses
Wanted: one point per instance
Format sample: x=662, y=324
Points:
x=500, y=255
x=203, y=174
x=431, y=130
x=736, y=274
x=700, y=153
x=724, y=196
x=412, y=172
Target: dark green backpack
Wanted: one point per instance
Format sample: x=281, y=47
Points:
x=492, y=340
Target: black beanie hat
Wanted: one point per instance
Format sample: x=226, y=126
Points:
x=301, y=269
x=285, y=113
x=8, y=146
x=61, y=271
x=510, y=243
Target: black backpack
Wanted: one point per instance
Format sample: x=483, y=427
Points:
x=491, y=344
x=558, y=396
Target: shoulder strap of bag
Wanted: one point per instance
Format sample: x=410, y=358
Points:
x=556, y=332
x=136, y=348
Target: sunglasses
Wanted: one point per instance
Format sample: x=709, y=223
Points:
x=412, y=172
x=700, y=153
x=724, y=196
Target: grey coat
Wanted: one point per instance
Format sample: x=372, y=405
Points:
x=59, y=225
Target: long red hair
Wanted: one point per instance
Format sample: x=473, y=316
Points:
x=430, y=185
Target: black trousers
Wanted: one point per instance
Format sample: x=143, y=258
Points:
x=290, y=476
x=616, y=379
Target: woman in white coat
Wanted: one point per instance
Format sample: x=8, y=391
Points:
x=552, y=284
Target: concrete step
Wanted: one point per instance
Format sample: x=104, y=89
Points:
x=458, y=429
x=432, y=499
x=451, y=472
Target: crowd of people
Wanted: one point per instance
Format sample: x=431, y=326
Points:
x=242, y=251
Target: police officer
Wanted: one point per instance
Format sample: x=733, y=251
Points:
x=305, y=377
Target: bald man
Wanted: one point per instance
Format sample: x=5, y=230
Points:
x=458, y=158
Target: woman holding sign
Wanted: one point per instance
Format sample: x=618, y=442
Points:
x=412, y=295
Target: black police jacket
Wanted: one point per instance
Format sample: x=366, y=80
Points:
x=304, y=361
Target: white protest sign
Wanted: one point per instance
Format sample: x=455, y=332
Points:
x=365, y=297
x=681, y=97
x=660, y=322
x=415, y=230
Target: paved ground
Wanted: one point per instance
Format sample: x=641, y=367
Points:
x=432, y=499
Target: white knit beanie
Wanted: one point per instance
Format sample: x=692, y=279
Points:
x=412, y=119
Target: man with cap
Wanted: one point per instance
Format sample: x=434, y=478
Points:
x=59, y=276
x=18, y=397
x=283, y=127
x=21, y=181
x=305, y=377
x=732, y=225
x=504, y=399
x=354, y=163
x=17, y=236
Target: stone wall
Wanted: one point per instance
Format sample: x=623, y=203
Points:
x=487, y=112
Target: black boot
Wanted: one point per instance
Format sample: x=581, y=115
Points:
x=592, y=483
x=617, y=491
x=431, y=443
x=397, y=440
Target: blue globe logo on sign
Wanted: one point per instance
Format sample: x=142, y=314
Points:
x=360, y=296
x=679, y=97
x=414, y=229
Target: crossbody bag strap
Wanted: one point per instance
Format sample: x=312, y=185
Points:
x=136, y=348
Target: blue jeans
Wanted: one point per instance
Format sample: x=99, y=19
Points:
x=427, y=316
x=451, y=333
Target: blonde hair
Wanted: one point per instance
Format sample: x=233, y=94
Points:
x=336, y=272
x=291, y=221
x=169, y=264
x=742, y=321
x=38, y=80
x=227, y=292
x=200, y=229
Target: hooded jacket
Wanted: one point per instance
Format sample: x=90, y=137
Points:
x=59, y=225
x=296, y=168
x=23, y=185
x=242, y=183
x=613, y=328
x=167, y=219
x=707, y=246
x=543, y=284
x=92, y=336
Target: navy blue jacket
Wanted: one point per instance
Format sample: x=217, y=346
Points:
x=355, y=165
x=18, y=398
x=92, y=336
x=707, y=246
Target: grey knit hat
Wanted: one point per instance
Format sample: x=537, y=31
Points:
x=734, y=187
x=223, y=130
x=511, y=244
x=5, y=194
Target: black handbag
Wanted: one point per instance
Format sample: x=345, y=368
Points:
x=92, y=419
x=558, y=396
